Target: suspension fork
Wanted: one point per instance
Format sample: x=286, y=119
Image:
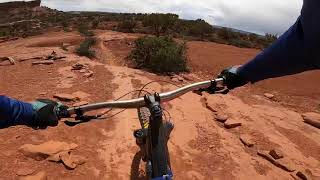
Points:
x=153, y=104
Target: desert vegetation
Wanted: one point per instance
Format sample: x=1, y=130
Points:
x=155, y=24
x=159, y=54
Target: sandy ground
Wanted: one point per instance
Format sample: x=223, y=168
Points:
x=200, y=147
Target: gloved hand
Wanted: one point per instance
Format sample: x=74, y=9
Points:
x=46, y=113
x=231, y=77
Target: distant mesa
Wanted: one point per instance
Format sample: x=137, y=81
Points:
x=7, y=6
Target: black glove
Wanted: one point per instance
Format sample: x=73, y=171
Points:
x=231, y=78
x=46, y=113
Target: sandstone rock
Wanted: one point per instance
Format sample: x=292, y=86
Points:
x=25, y=171
x=71, y=161
x=81, y=103
x=175, y=79
x=77, y=66
x=312, y=119
x=66, y=97
x=302, y=175
x=276, y=154
x=269, y=96
x=83, y=71
x=246, y=140
x=39, y=176
x=283, y=164
x=45, y=62
x=187, y=77
x=221, y=117
x=11, y=60
x=88, y=74
x=286, y=164
x=232, y=123
x=81, y=95
x=43, y=151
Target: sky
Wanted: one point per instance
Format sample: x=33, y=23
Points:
x=258, y=16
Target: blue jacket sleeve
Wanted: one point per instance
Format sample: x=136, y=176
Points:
x=294, y=52
x=13, y=112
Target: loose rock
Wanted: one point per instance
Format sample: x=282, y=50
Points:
x=283, y=164
x=25, y=171
x=269, y=96
x=276, y=154
x=175, y=79
x=88, y=74
x=66, y=97
x=46, y=62
x=246, y=140
x=312, y=119
x=221, y=117
x=80, y=95
x=39, y=176
x=43, y=151
x=71, y=161
x=231, y=123
x=77, y=66
x=302, y=175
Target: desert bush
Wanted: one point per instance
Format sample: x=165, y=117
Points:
x=84, y=30
x=200, y=28
x=84, y=48
x=159, y=54
x=241, y=43
x=161, y=23
x=127, y=25
x=3, y=33
x=95, y=24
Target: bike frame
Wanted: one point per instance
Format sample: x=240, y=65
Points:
x=152, y=102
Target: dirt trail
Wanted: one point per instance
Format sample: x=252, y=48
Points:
x=200, y=147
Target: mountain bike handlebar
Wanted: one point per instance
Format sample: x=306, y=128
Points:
x=140, y=102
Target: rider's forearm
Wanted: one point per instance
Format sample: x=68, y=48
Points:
x=13, y=112
x=294, y=52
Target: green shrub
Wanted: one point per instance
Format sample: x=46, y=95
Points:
x=200, y=28
x=241, y=43
x=84, y=29
x=161, y=23
x=84, y=48
x=159, y=54
x=127, y=25
x=3, y=33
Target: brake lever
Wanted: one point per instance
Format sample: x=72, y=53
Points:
x=81, y=119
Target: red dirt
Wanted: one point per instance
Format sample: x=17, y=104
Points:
x=200, y=147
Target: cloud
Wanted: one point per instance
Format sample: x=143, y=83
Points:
x=262, y=16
